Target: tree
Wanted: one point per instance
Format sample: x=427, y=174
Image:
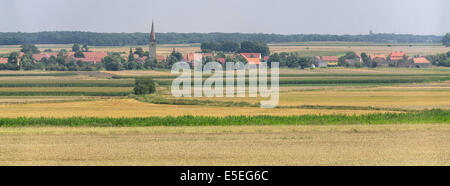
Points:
x=29, y=48
x=13, y=58
x=144, y=85
x=113, y=62
x=366, y=59
x=131, y=55
x=342, y=62
x=254, y=47
x=139, y=51
x=79, y=54
x=209, y=46
x=229, y=46
x=85, y=48
x=76, y=48
x=446, y=40
x=26, y=63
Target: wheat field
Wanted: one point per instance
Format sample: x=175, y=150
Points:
x=230, y=145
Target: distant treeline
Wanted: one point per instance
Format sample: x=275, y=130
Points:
x=120, y=39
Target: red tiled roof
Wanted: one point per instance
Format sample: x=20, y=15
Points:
x=251, y=55
x=3, y=60
x=189, y=57
x=255, y=61
x=266, y=58
x=160, y=58
x=394, y=56
x=38, y=57
x=330, y=58
x=397, y=54
x=221, y=60
x=421, y=60
x=92, y=57
x=377, y=56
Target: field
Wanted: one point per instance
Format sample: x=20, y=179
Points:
x=330, y=116
x=228, y=145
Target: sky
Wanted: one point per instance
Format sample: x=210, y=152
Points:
x=420, y=17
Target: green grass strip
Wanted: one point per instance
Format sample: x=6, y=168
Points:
x=422, y=117
x=41, y=74
x=26, y=93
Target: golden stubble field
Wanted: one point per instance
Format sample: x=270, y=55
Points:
x=230, y=145
x=118, y=108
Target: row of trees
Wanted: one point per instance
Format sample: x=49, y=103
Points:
x=231, y=46
x=290, y=60
x=121, y=39
x=440, y=59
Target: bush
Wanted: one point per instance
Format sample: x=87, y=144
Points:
x=144, y=85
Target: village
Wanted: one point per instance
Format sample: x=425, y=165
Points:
x=351, y=59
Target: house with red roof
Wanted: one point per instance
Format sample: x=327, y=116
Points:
x=380, y=59
x=221, y=60
x=39, y=57
x=325, y=61
x=252, y=58
x=330, y=60
x=399, y=59
x=3, y=60
x=421, y=62
x=397, y=56
x=89, y=57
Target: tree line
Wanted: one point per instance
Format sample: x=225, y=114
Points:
x=121, y=39
x=234, y=47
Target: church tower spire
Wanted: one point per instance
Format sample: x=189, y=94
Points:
x=152, y=44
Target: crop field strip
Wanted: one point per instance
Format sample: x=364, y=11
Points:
x=422, y=117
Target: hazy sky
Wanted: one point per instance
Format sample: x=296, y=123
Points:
x=249, y=16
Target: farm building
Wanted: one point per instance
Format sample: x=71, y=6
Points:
x=397, y=56
x=3, y=60
x=380, y=60
x=252, y=58
x=90, y=57
x=352, y=62
x=39, y=57
x=221, y=60
x=421, y=62
x=330, y=60
x=325, y=61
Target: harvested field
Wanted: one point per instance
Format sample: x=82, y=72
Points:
x=118, y=108
x=230, y=145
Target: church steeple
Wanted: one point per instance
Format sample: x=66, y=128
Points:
x=152, y=34
x=152, y=44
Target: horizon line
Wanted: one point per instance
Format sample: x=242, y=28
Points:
x=230, y=33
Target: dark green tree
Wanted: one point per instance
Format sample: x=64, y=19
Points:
x=26, y=62
x=13, y=58
x=366, y=59
x=76, y=48
x=113, y=62
x=29, y=48
x=254, y=47
x=131, y=55
x=144, y=86
x=139, y=51
x=85, y=48
x=79, y=54
x=446, y=40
